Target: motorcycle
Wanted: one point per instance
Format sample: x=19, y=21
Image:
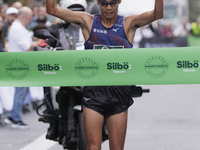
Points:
x=69, y=113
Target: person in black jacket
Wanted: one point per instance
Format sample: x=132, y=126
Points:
x=70, y=38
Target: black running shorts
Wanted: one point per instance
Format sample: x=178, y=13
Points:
x=107, y=100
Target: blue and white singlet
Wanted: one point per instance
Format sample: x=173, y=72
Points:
x=107, y=38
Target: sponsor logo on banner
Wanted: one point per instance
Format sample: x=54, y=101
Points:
x=117, y=67
x=156, y=66
x=188, y=66
x=17, y=69
x=49, y=69
x=86, y=68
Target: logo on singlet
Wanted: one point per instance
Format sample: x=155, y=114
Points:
x=115, y=30
x=156, y=66
x=86, y=68
x=17, y=69
x=100, y=31
x=86, y=99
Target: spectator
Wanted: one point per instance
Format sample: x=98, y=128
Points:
x=43, y=17
x=34, y=23
x=3, y=8
x=157, y=29
x=6, y=93
x=69, y=35
x=167, y=31
x=17, y=5
x=35, y=10
x=137, y=39
x=196, y=27
x=183, y=29
x=147, y=32
x=6, y=101
x=11, y=15
x=19, y=44
x=33, y=98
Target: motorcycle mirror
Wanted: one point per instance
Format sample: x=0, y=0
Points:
x=43, y=34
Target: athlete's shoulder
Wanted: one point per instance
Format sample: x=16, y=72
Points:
x=86, y=18
x=129, y=20
x=97, y=16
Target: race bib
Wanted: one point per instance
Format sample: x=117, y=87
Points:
x=107, y=47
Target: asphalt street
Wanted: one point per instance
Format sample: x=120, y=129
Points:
x=167, y=118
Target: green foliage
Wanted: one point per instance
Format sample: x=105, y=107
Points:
x=194, y=11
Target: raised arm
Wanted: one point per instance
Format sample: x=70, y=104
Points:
x=133, y=22
x=83, y=19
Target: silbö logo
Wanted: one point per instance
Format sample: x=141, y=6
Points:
x=118, y=67
x=49, y=69
x=188, y=66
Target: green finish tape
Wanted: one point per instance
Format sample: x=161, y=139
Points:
x=146, y=66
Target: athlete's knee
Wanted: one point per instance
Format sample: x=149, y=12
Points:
x=117, y=148
x=93, y=147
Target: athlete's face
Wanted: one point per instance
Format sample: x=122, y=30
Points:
x=109, y=8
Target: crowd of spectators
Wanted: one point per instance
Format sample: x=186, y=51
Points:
x=13, y=18
x=8, y=14
x=158, y=30
x=167, y=30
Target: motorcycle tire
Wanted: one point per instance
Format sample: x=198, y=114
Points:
x=82, y=144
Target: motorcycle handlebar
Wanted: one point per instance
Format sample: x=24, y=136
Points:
x=137, y=91
x=38, y=48
x=145, y=91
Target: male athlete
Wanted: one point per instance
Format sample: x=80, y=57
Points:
x=112, y=102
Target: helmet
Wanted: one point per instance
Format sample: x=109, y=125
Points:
x=95, y=9
x=74, y=5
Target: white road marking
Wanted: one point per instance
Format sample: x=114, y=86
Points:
x=41, y=143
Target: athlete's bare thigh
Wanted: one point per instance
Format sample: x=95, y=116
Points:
x=117, y=125
x=93, y=122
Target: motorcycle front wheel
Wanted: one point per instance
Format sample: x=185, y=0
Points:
x=81, y=143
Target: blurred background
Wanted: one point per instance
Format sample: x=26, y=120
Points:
x=192, y=6
x=180, y=26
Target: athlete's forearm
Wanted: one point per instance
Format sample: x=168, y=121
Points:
x=158, y=9
x=51, y=6
x=63, y=13
x=53, y=9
